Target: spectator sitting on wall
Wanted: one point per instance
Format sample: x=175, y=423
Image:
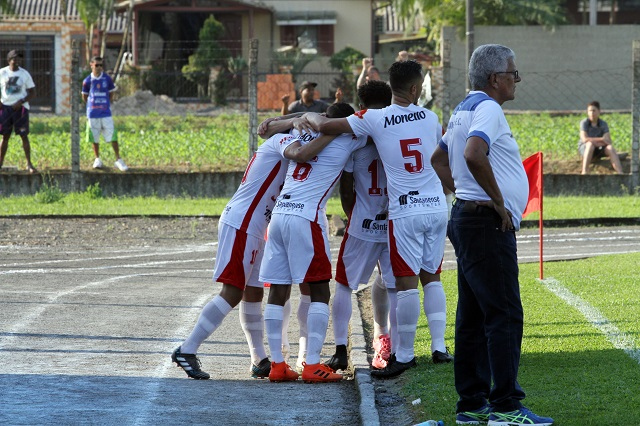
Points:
x=595, y=140
x=307, y=103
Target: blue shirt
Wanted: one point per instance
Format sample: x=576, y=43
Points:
x=98, y=89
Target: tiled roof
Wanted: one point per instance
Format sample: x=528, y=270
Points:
x=52, y=10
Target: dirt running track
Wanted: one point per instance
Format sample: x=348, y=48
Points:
x=90, y=310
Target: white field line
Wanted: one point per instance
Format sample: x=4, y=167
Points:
x=102, y=268
x=22, y=324
x=574, y=255
x=142, y=415
x=94, y=259
x=618, y=338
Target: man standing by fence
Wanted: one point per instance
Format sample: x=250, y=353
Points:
x=17, y=88
x=97, y=92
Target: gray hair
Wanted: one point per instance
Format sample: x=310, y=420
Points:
x=486, y=60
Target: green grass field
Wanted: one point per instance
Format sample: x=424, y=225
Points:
x=91, y=203
x=580, y=361
x=221, y=143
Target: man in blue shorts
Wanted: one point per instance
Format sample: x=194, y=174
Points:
x=17, y=88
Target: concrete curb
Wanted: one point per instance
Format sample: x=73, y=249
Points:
x=368, y=411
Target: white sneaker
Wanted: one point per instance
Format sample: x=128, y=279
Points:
x=97, y=163
x=121, y=166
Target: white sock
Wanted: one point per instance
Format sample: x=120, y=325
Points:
x=210, y=318
x=392, y=293
x=341, y=313
x=252, y=323
x=435, y=308
x=317, y=323
x=286, y=316
x=303, y=313
x=380, y=302
x=273, y=326
x=407, y=313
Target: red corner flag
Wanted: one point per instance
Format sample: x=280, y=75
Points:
x=533, y=168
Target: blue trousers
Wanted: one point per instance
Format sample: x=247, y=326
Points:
x=489, y=317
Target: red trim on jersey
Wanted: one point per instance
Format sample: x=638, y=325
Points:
x=233, y=273
x=320, y=266
x=259, y=195
x=341, y=270
x=325, y=194
x=398, y=265
x=439, y=271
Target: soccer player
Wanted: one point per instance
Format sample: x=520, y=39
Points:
x=240, y=248
x=363, y=192
x=97, y=92
x=297, y=251
x=405, y=136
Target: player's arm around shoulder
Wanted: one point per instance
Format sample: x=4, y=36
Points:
x=302, y=153
x=328, y=126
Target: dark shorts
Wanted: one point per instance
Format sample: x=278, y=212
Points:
x=11, y=120
x=598, y=152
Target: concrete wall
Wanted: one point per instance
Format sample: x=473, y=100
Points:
x=225, y=184
x=561, y=69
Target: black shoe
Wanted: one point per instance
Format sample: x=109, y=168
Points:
x=339, y=360
x=394, y=368
x=261, y=370
x=190, y=364
x=441, y=357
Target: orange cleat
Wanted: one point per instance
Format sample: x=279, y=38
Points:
x=319, y=373
x=281, y=372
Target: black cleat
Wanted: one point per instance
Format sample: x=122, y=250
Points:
x=441, y=357
x=262, y=370
x=339, y=360
x=394, y=368
x=190, y=364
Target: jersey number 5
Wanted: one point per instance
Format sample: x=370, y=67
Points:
x=405, y=145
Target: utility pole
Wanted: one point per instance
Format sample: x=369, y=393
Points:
x=469, y=34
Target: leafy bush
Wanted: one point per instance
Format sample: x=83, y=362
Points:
x=49, y=192
x=94, y=191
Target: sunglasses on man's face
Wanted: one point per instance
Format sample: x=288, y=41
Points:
x=97, y=65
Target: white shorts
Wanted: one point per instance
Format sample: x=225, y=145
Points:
x=239, y=257
x=297, y=251
x=358, y=258
x=417, y=242
x=104, y=126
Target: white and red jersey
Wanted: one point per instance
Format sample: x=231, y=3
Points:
x=250, y=208
x=368, y=219
x=405, y=137
x=308, y=186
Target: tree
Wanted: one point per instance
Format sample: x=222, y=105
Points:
x=439, y=13
x=209, y=55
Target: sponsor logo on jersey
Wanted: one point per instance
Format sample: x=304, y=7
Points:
x=267, y=214
x=289, y=206
x=370, y=226
x=360, y=114
x=412, y=199
x=285, y=139
x=404, y=118
x=306, y=137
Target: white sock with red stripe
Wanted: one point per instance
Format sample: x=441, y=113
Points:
x=380, y=302
x=435, y=308
x=273, y=327
x=392, y=293
x=210, y=318
x=317, y=323
x=303, y=313
x=407, y=313
x=252, y=323
x=341, y=313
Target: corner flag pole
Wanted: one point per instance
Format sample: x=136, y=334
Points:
x=540, y=224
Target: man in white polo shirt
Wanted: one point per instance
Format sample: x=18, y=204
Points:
x=479, y=160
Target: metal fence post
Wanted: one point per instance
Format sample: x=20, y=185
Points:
x=75, y=116
x=446, y=82
x=253, y=96
x=635, y=122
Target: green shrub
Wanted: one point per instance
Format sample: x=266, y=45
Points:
x=49, y=192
